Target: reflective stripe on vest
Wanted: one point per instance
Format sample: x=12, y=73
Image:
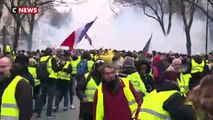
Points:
x=150, y=111
x=197, y=67
x=162, y=116
x=9, y=108
x=184, y=83
x=90, y=88
x=90, y=65
x=137, y=83
x=133, y=105
x=74, y=66
x=63, y=75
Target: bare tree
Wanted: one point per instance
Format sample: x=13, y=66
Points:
x=187, y=11
x=18, y=19
x=155, y=9
x=202, y=8
x=31, y=19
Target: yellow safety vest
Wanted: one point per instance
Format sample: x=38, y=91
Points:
x=137, y=83
x=63, y=75
x=90, y=65
x=52, y=74
x=95, y=57
x=74, y=66
x=197, y=67
x=90, y=88
x=9, y=108
x=152, y=107
x=183, y=83
x=32, y=71
x=133, y=105
x=8, y=48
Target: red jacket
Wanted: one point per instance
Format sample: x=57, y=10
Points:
x=116, y=105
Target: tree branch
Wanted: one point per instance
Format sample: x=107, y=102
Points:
x=144, y=11
x=170, y=17
x=112, y=8
x=199, y=7
x=161, y=8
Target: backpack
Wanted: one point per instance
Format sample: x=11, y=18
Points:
x=82, y=68
x=42, y=72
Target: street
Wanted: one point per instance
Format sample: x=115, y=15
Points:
x=70, y=114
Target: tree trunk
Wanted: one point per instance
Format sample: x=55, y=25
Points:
x=162, y=27
x=188, y=41
x=30, y=40
x=17, y=35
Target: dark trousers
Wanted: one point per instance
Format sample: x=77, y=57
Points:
x=86, y=111
x=62, y=86
x=71, y=88
x=47, y=90
x=36, y=97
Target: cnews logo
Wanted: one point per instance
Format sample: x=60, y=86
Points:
x=24, y=10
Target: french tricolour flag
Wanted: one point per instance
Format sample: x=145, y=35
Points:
x=76, y=36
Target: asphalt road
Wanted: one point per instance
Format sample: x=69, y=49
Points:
x=70, y=114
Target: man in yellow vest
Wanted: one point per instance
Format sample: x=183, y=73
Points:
x=115, y=98
x=181, y=78
x=36, y=88
x=63, y=82
x=165, y=103
x=15, y=92
x=86, y=89
x=48, y=84
x=198, y=65
x=134, y=77
x=198, y=69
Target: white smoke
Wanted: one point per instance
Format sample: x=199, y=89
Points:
x=130, y=30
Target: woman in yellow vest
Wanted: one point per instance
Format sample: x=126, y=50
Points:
x=74, y=64
x=115, y=98
x=201, y=98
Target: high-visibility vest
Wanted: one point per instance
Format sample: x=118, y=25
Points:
x=197, y=67
x=74, y=66
x=133, y=105
x=9, y=108
x=183, y=83
x=152, y=107
x=52, y=74
x=90, y=88
x=90, y=65
x=137, y=83
x=63, y=75
x=8, y=48
x=32, y=71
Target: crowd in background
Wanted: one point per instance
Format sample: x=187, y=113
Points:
x=183, y=82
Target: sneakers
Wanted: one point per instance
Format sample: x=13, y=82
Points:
x=72, y=107
x=37, y=116
x=65, y=108
x=55, y=109
x=50, y=117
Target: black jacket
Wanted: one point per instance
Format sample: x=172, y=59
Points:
x=129, y=71
x=82, y=83
x=175, y=104
x=23, y=97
